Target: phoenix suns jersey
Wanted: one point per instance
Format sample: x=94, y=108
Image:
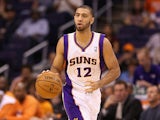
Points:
x=82, y=64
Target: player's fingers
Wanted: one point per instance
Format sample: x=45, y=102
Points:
x=39, y=75
x=90, y=90
x=44, y=71
x=88, y=83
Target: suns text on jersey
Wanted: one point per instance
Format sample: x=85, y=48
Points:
x=82, y=60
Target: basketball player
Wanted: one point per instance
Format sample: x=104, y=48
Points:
x=85, y=53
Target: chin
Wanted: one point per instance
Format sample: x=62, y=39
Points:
x=80, y=29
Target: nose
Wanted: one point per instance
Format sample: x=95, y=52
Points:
x=80, y=18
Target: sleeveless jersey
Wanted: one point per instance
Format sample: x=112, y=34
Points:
x=83, y=63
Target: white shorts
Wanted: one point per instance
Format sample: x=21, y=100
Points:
x=80, y=105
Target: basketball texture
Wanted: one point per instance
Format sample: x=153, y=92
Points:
x=48, y=85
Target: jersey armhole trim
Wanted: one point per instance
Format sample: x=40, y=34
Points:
x=65, y=46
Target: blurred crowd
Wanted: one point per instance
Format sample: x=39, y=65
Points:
x=135, y=95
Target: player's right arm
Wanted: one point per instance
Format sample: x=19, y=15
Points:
x=58, y=62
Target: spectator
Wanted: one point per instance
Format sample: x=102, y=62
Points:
x=137, y=13
x=121, y=105
x=46, y=107
x=106, y=92
x=153, y=112
x=26, y=106
x=147, y=22
x=10, y=23
x=130, y=89
x=25, y=77
x=154, y=47
x=59, y=111
x=68, y=5
x=152, y=6
x=128, y=74
x=128, y=54
x=146, y=74
x=23, y=7
x=44, y=5
x=6, y=104
x=108, y=31
x=35, y=28
x=3, y=83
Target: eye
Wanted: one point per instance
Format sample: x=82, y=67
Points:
x=84, y=15
x=76, y=15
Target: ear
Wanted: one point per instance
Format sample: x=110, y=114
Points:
x=92, y=20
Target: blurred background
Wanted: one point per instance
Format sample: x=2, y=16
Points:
x=30, y=29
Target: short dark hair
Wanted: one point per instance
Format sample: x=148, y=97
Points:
x=87, y=7
x=121, y=82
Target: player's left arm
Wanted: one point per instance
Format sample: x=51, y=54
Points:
x=112, y=65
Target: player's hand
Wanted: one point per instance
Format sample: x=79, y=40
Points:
x=48, y=71
x=90, y=86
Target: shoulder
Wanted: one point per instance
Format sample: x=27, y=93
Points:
x=106, y=44
x=8, y=99
x=155, y=67
x=31, y=99
x=69, y=34
x=66, y=36
x=27, y=21
x=155, y=36
x=17, y=79
x=145, y=113
x=102, y=37
x=138, y=69
x=133, y=101
x=46, y=103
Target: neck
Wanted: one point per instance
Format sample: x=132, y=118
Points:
x=154, y=104
x=21, y=100
x=147, y=67
x=84, y=35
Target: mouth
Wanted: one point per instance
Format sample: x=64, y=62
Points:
x=79, y=24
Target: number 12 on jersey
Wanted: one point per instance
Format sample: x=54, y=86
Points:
x=87, y=72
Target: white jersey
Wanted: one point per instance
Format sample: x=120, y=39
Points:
x=83, y=64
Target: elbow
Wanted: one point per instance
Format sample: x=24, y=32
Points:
x=117, y=72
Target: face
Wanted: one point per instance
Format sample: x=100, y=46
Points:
x=26, y=73
x=152, y=94
x=35, y=16
x=120, y=92
x=107, y=30
x=19, y=92
x=10, y=15
x=83, y=19
x=143, y=59
x=3, y=83
x=131, y=68
x=137, y=4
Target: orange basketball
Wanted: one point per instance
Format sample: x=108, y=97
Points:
x=48, y=85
